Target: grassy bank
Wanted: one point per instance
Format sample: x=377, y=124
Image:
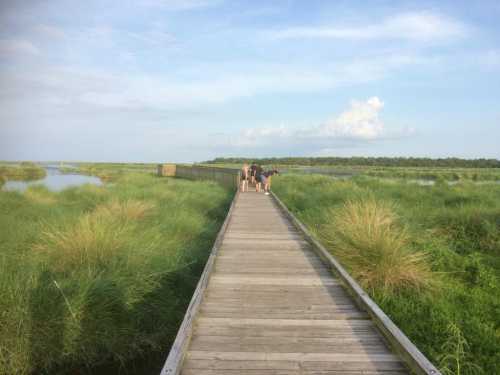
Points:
x=109, y=171
x=390, y=172
x=93, y=275
x=24, y=171
x=428, y=255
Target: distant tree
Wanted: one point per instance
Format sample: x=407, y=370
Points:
x=366, y=161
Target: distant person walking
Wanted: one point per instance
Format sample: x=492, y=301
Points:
x=253, y=167
x=258, y=177
x=266, y=181
x=244, y=177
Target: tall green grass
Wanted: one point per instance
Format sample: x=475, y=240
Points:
x=24, y=171
x=94, y=275
x=384, y=231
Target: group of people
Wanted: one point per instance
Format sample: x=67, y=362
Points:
x=255, y=175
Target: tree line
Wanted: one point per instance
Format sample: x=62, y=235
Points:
x=365, y=161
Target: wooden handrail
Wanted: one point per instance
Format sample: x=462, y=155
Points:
x=408, y=352
x=175, y=357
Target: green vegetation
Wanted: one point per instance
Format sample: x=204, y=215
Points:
x=365, y=161
x=401, y=168
x=109, y=171
x=24, y=171
x=428, y=255
x=448, y=174
x=368, y=239
x=97, y=275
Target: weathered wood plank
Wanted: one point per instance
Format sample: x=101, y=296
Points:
x=315, y=367
x=301, y=357
x=254, y=280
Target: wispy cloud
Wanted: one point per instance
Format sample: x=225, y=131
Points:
x=490, y=59
x=106, y=90
x=17, y=47
x=419, y=26
x=179, y=5
x=50, y=32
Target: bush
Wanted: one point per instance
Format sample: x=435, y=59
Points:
x=367, y=238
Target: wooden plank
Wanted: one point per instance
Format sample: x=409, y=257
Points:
x=310, y=315
x=282, y=345
x=340, y=332
x=264, y=307
x=301, y=357
x=268, y=280
x=306, y=323
x=380, y=366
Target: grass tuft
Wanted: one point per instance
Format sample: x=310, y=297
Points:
x=92, y=240
x=129, y=209
x=40, y=195
x=369, y=240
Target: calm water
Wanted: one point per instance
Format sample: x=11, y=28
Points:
x=54, y=180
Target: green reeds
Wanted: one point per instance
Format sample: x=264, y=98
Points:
x=25, y=171
x=94, y=275
x=380, y=229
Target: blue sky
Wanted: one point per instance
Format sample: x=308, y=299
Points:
x=172, y=80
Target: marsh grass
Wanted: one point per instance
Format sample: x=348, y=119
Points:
x=369, y=240
x=456, y=227
x=103, y=274
x=455, y=359
x=40, y=195
x=25, y=171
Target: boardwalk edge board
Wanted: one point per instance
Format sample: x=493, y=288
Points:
x=175, y=357
x=408, y=352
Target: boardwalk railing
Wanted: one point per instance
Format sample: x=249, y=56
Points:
x=398, y=341
x=174, y=360
x=227, y=177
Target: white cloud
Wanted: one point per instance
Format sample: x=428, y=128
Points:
x=152, y=37
x=418, y=26
x=15, y=47
x=360, y=123
x=490, y=59
x=179, y=5
x=50, y=32
x=106, y=90
x=254, y=136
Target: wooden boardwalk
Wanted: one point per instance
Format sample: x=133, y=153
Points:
x=272, y=307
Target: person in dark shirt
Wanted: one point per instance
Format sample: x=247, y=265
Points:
x=258, y=176
x=267, y=179
x=253, y=167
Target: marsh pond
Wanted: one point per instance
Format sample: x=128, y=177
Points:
x=54, y=180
